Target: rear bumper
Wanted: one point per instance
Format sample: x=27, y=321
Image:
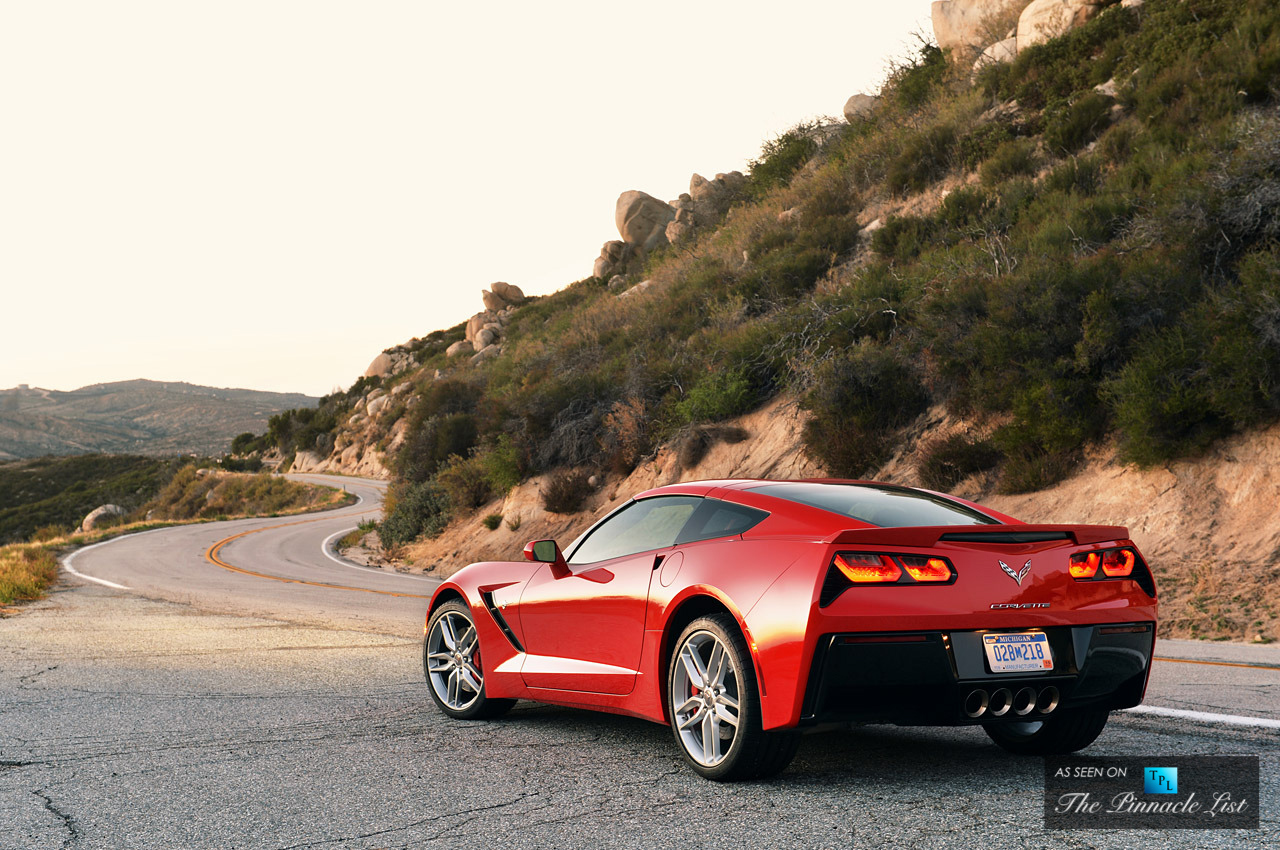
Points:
x=942, y=678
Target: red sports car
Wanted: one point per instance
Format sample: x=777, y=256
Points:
x=740, y=612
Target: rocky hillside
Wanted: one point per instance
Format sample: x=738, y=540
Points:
x=134, y=417
x=1038, y=266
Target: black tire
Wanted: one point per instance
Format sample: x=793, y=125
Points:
x=753, y=753
x=1064, y=732
x=468, y=702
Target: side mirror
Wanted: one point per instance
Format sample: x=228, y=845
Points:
x=547, y=552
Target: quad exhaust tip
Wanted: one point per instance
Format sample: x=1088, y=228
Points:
x=1000, y=702
x=1047, y=700
x=975, y=704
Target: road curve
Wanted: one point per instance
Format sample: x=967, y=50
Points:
x=279, y=567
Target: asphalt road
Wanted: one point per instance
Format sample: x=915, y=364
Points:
x=204, y=707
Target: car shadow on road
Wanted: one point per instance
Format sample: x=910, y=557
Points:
x=846, y=753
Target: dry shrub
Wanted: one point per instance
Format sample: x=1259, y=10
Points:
x=627, y=436
x=696, y=442
x=947, y=461
x=565, y=492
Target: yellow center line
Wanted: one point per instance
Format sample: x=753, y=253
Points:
x=1219, y=663
x=212, y=556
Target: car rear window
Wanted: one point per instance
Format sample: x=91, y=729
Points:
x=715, y=518
x=887, y=507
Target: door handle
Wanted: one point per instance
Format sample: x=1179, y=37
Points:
x=657, y=561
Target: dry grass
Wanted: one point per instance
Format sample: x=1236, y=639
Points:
x=25, y=572
x=1219, y=600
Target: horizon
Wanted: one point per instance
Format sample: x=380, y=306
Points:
x=356, y=176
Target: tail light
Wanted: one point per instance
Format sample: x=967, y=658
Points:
x=868, y=569
x=1084, y=565
x=926, y=569
x=849, y=569
x=1116, y=562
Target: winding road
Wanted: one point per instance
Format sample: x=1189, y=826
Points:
x=236, y=684
x=283, y=568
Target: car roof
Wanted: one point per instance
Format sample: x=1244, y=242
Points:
x=731, y=489
x=705, y=488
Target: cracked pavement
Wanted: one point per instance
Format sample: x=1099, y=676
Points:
x=133, y=723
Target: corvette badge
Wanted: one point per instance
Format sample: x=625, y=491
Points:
x=1020, y=574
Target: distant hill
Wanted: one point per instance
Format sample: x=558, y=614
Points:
x=134, y=417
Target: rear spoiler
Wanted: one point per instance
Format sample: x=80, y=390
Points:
x=931, y=535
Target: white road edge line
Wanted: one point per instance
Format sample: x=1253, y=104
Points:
x=1207, y=717
x=324, y=550
x=67, y=560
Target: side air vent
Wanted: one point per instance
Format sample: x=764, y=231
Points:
x=500, y=620
x=1007, y=537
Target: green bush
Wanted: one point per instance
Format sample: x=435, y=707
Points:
x=781, y=274
x=464, y=482
x=914, y=82
x=432, y=442
x=1079, y=174
x=418, y=510
x=1069, y=127
x=856, y=401
x=492, y=521
x=716, y=396
x=980, y=143
x=781, y=158
x=924, y=159
x=1216, y=371
x=1012, y=159
x=902, y=238
x=963, y=207
x=502, y=466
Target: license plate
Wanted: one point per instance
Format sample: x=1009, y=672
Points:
x=1022, y=652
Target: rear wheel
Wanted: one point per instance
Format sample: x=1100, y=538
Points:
x=453, y=666
x=714, y=705
x=1064, y=732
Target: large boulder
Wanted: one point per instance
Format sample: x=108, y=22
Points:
x=101, y=516
x=859, y=106
x=508, y=292
x=1046, y=19
x=612, y=256
x=380, y=367
x=1001, y=51
x=462, y=346
x=499, y=296
x=642, y=220
x=964, y=25
x=478, y=321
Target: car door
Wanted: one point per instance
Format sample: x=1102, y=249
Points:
x=583, y=630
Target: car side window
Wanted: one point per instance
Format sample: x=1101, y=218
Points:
x=715, y=518
x=648, y=524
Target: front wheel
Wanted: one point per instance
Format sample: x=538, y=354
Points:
x=714, y=705
x=454, y=669
x=1064, y=732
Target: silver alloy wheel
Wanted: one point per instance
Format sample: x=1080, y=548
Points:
x=705, y=698
x=452, y=662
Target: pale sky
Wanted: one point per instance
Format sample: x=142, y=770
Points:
x=266, y=194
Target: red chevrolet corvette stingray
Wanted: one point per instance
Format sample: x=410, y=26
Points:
x=740, y=612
